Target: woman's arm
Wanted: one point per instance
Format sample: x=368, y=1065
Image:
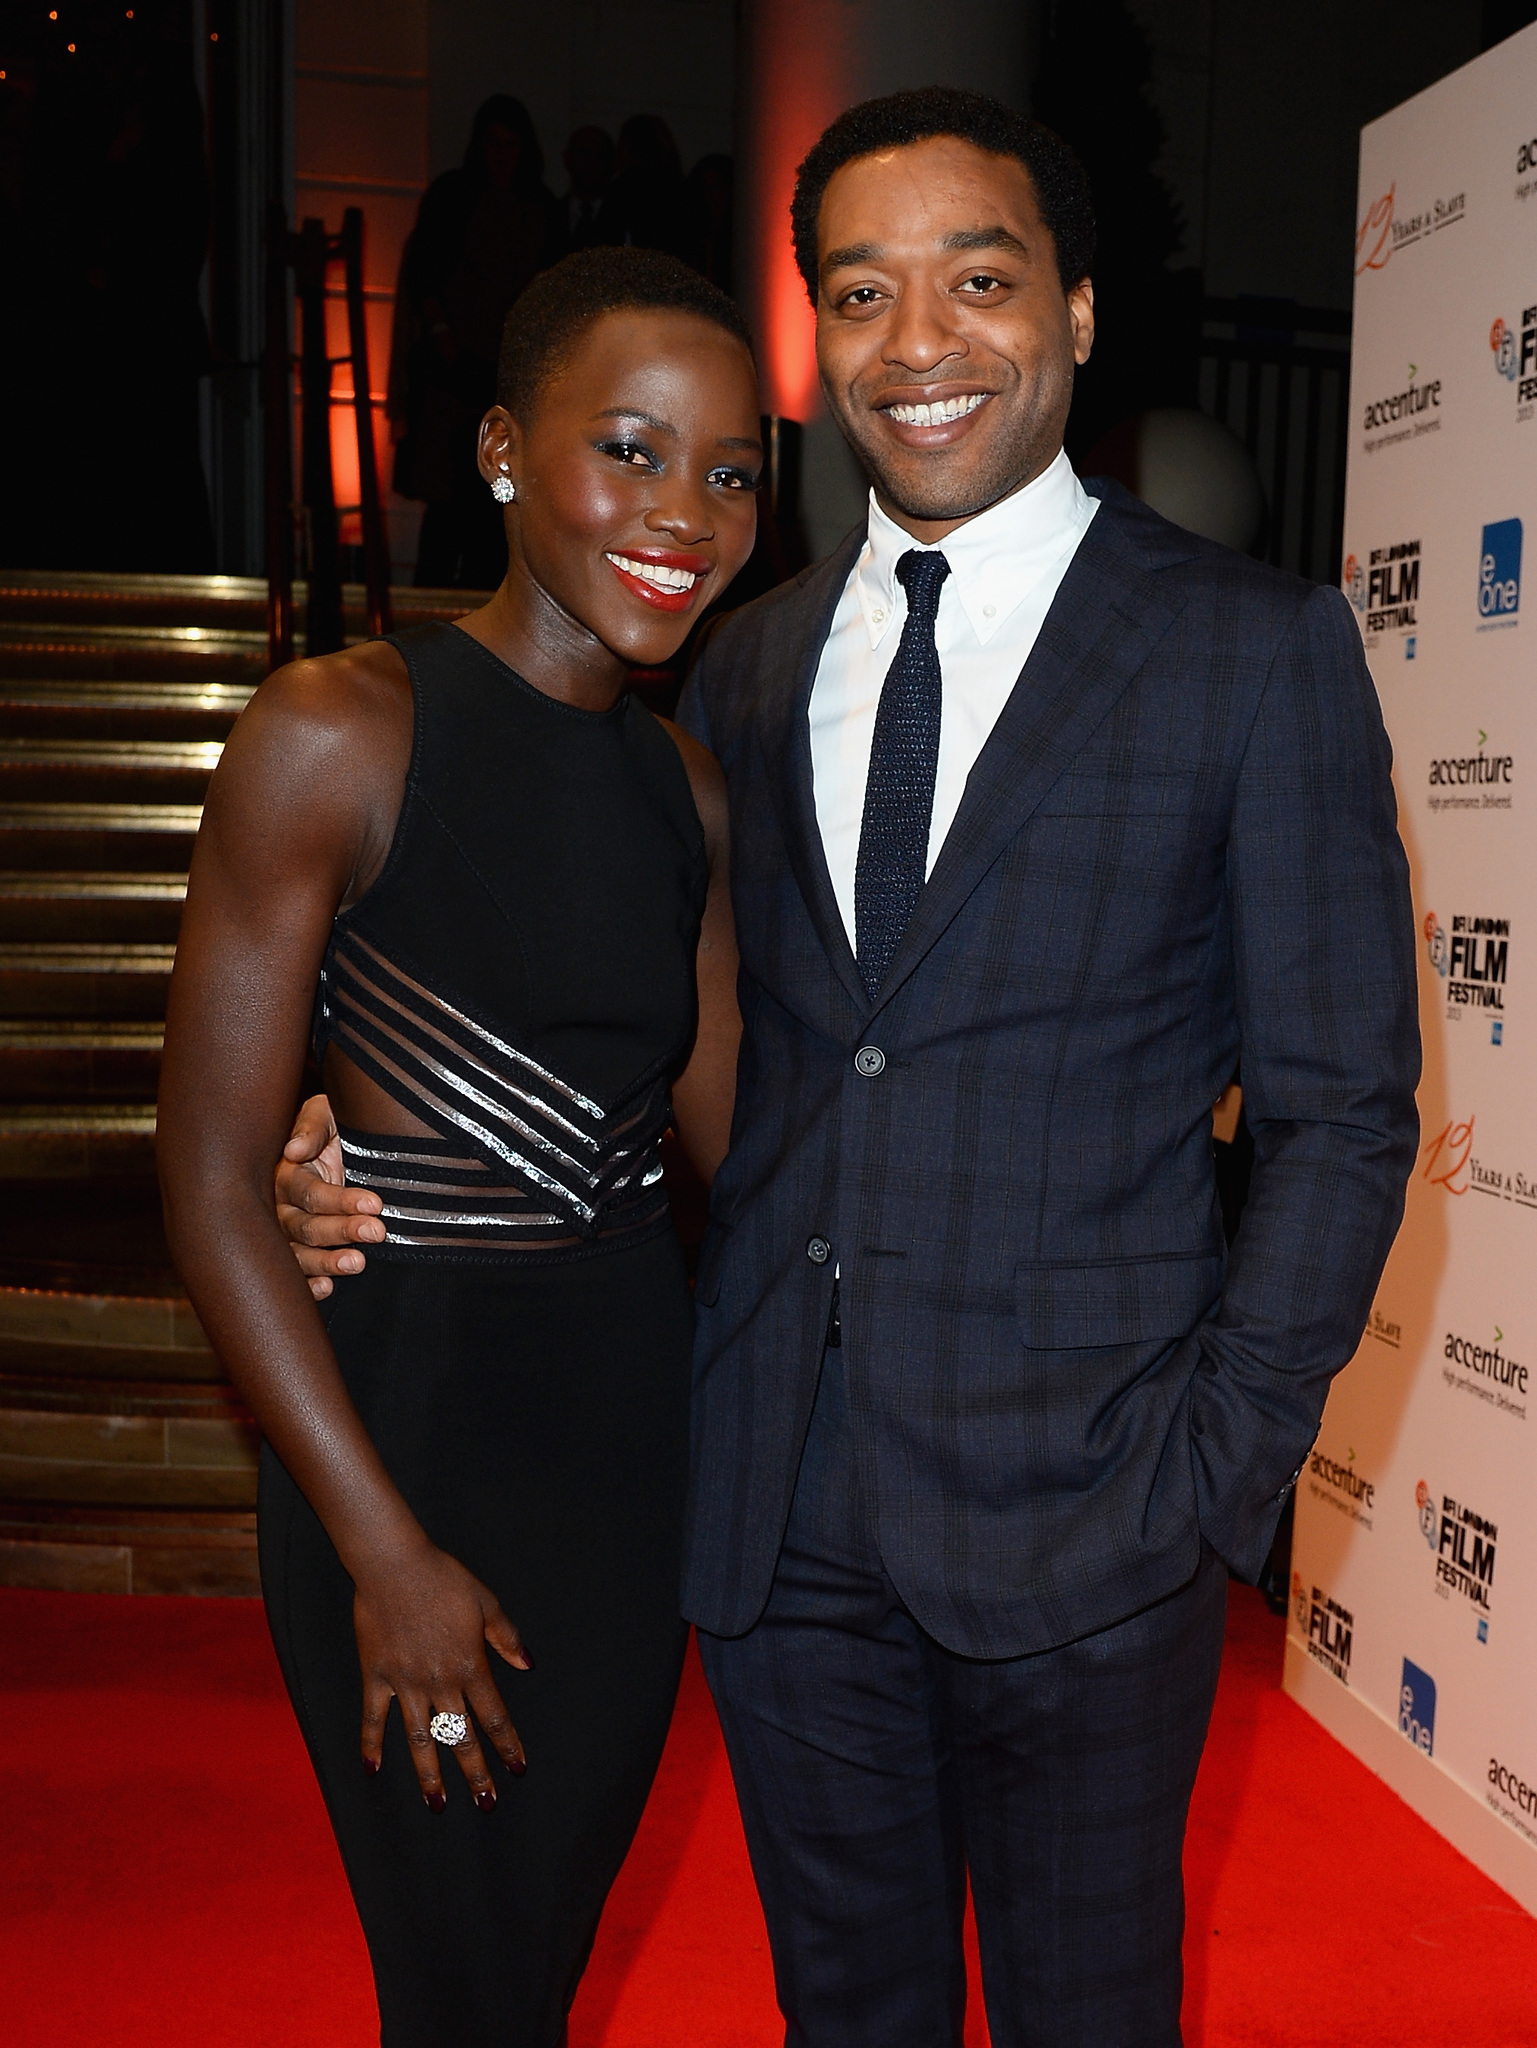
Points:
x=299, y=815
x=704, y=1093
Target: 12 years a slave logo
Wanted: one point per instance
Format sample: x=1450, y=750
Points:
x=1448, y=1157
x=1449, y=1160
x=1389, y=226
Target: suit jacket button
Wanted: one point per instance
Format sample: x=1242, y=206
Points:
x=818, y=1250
x=869, y=1061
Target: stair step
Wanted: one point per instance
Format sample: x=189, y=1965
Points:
x=45, y=1061
x=122, y=838
x=61, y=1142
x=42, y=1372
x=76, y=1239
x=46, y=596
x=77, y=1549
x=79, y=1482
x=70, y=1437
x=85, y=771
x=121, y=909
x=80, y=981
x=120, y=711
x=63, y=1317
x=132, y=653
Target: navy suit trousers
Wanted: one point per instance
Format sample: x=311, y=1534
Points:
x=875, y=1769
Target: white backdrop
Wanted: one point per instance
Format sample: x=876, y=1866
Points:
x=1413, y=1622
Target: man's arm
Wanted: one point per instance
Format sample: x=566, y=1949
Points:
x=1323, y=950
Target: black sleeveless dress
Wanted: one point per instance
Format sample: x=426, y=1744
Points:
x=521, y=977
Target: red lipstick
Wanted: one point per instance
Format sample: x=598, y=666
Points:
x=664, y=591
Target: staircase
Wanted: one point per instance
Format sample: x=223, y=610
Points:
x=126, y=1463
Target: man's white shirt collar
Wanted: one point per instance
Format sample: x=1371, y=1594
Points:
x=996, y=559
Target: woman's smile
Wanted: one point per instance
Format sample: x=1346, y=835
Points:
x=661, y=577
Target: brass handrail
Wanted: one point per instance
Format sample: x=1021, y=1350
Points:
x=309, y=255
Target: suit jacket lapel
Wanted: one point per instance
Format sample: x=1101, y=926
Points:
x=786, y=733
x=1109, y=613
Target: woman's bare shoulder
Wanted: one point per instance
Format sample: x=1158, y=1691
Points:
x=706, y=779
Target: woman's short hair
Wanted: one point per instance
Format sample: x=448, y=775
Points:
x=875, y=126
x=556, y=310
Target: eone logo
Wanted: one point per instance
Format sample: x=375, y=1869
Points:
x=1417, y=1707
x=1353, y=579
x=1499, y=570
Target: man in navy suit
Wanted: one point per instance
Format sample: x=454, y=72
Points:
x=1044, y=813
x=983, y=1413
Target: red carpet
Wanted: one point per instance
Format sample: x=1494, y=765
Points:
x=167, y=1879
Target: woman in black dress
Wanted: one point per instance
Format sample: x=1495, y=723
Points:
x=493, y=887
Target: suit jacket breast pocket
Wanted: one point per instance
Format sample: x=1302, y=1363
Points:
x=1087, y=791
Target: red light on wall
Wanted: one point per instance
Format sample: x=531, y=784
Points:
x=797, y=54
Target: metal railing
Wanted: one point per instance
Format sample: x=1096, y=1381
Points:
x=1278, y=374
x=309, y=255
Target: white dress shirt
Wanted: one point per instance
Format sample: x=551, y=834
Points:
x=1005, y=568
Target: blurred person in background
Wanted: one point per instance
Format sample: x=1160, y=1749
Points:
x=711, y=192
x=483, y=232
x=647, y=205
x=589, y=161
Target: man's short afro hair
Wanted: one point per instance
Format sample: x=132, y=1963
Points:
x=556, y=310
x=875, y=126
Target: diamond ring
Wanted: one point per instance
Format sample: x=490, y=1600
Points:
x=449, y=1728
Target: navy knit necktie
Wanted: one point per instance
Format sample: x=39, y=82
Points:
x=899, y=794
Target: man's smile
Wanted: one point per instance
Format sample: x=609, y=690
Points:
x=932, y=421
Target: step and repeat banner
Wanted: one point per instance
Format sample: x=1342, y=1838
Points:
x=1413, y=1622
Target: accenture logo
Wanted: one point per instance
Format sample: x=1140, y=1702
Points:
x=1415, y=398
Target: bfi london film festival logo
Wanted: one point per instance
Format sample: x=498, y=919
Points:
x=1327, y=1628
x=1487, y=1372
x=1526, y=164
x=1463, y=1543
x=1499, y=575
x=1402, y=415
x=1388, y=229
x=1341, y=1486
x=1417, y=1707
x=1473, y=960
x=1385, y=590
x=1452, y=1165
x=1480, y=781
x=1515, y=358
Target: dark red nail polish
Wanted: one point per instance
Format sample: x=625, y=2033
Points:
x=485, y=1800
x=517, y=1767
x=371, y=1766
x=436, y=1800
x=528, y=1660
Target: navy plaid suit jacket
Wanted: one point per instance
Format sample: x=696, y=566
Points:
x=1177, y=850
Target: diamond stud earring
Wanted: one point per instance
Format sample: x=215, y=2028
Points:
x=502, y=489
